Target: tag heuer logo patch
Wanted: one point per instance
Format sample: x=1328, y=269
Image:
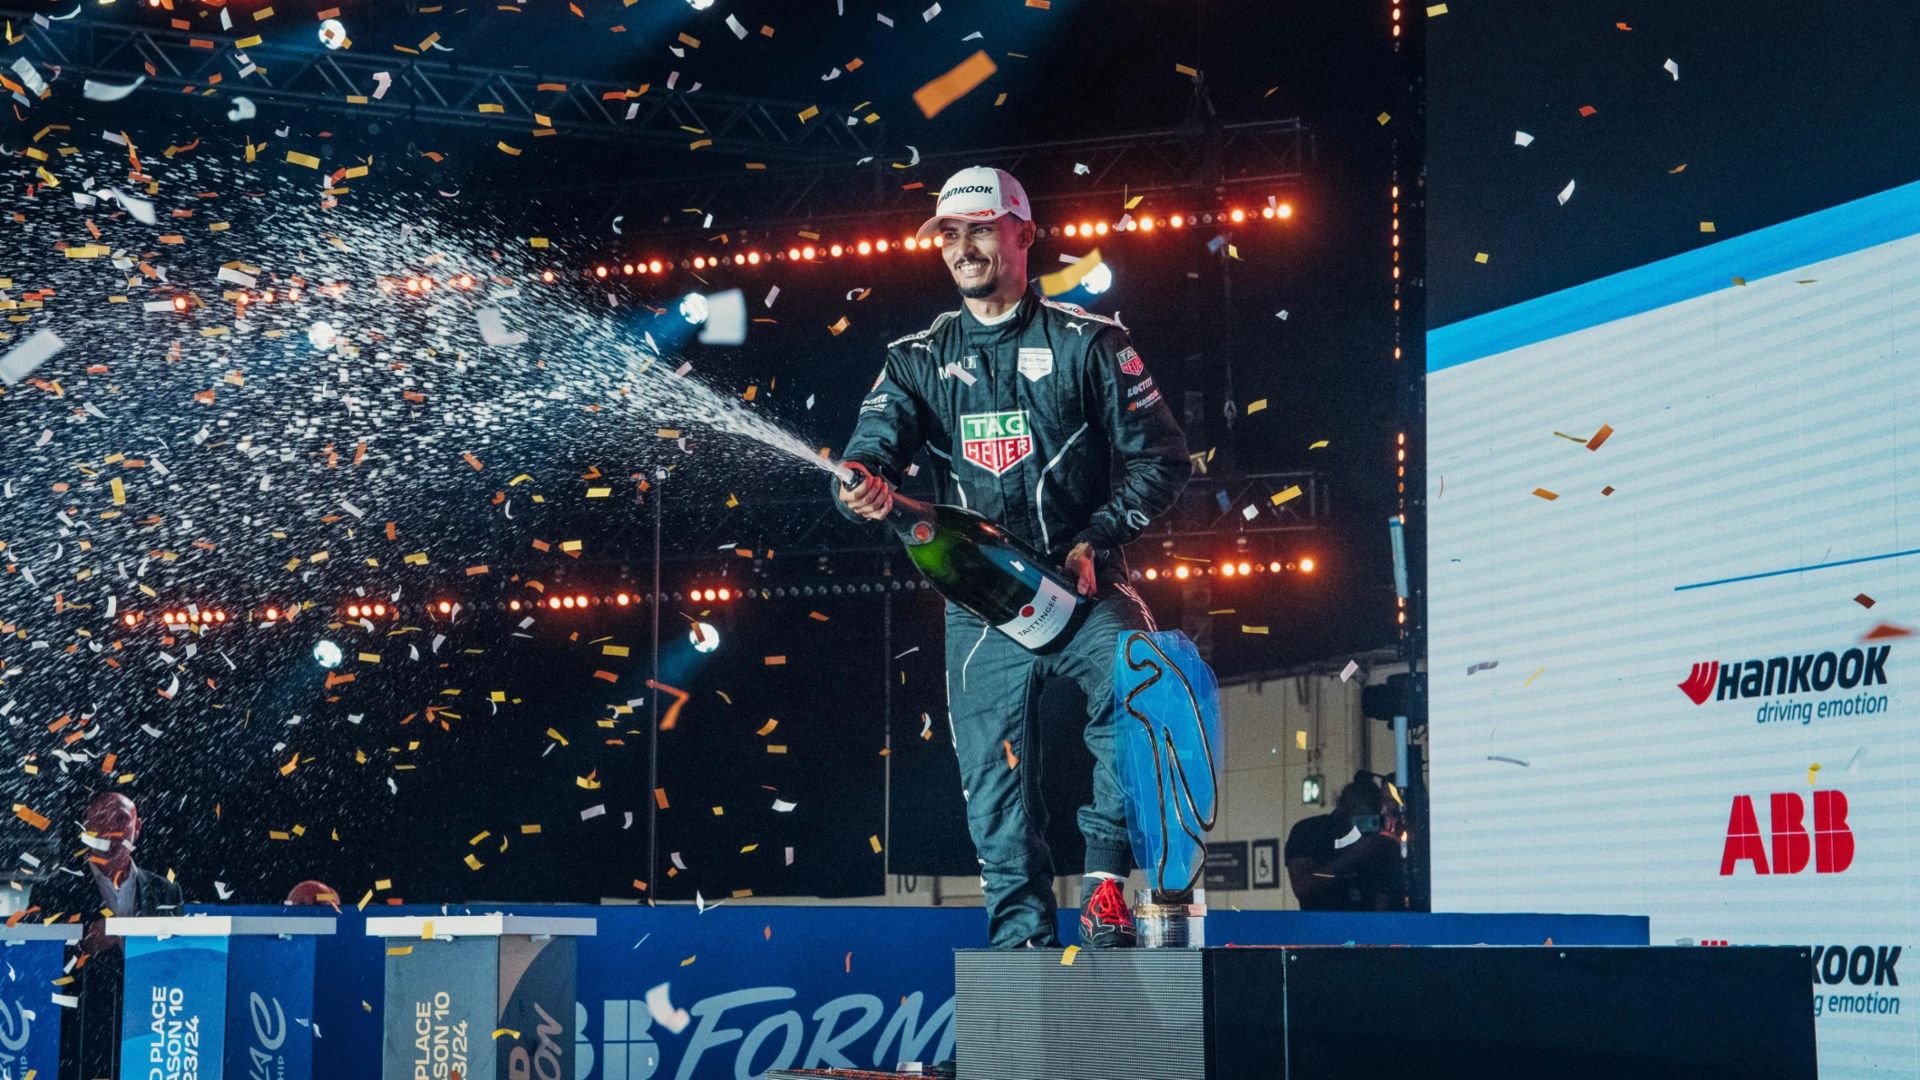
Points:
x=995, y=441
x=1130, y=361
x=1036, y=364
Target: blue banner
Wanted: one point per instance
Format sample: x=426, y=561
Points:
x=173, y=1012
x=29, y=1020
x=270, y=1008
x=846, y=987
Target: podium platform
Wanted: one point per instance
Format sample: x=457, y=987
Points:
x=218, y=996
x=1327, y=1013
x=34, y=956
x=453, y=981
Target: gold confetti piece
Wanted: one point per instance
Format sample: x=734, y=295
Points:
x=1299, y=739
x=1545, y=494
x=1600, y=437
x=698, y=143
x=119, y=491
x=537, y=241
x=1530, y=678
x=732, y=500
x=689, y=960
x=399, y=950
x=767, y=728
x=875, y=842
x=1257, y=406
x=1739, y=281
x=1253, y=629
x=1479, y=256
x=809, y=113
x=473, y=863
x=1069, y=955
x=1436, y=10
x=839, y=327
x=954, y=85
x=599, y=492
x=308, y=160
x=614, y=650
x=1813, y=773
x=491, y=107
x=1706, y=226
x=383, y=884
x=1064, y=281
x=1383, y=118
x=1281, y=497
x=1183, y=69
x=505, y=149
x=508, y=1032
x=1321, y=445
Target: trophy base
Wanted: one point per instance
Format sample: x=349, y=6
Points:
x=1170, y=920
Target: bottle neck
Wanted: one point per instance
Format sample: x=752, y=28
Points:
x=912, y=519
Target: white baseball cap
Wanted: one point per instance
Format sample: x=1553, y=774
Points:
x=978, y=193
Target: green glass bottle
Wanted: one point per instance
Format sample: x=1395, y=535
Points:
x=989, y=571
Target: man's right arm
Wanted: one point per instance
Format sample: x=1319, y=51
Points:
x=888, y=431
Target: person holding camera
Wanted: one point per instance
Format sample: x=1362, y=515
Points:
x=1349, y=859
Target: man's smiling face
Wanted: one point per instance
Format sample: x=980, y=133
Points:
x=984, y=255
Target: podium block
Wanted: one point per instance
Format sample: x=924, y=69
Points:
x=452, y=981
x=218, y=996
x=30, y=1021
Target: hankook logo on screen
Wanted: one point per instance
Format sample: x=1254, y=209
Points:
x=1779, y=678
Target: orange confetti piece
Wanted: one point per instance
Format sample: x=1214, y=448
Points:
x=954, y=85
x=672, y=716
x=1600, y=437
x=1545, y=494
x=21, y=811
x=1013, y=759
x=468, y=457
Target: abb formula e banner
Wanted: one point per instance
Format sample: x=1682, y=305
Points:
x=1674, y=573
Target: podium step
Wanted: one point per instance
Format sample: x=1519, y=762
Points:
x=1332, y=1013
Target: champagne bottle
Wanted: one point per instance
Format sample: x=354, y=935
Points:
x=989, y=571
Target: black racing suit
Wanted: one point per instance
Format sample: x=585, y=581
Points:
x=1024, y=420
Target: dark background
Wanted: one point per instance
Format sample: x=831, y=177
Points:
x=846, y=693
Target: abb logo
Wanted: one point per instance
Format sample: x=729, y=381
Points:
x=1830, y=847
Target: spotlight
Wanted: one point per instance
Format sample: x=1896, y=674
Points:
x=836, y=251
x=880, y=246
x=463, y=281
x=513, y=605
x=180, y=303
x=725, y=595
x=627, y=269
x=865, y=248
x=1182, y=572
x=273, y=614
x=656, y=266
x=704, y=637
x=327, y=654
x=699, y=262
x=1238, y=215
x=1086, y=229
x=1146, y=223
x=1100, y=228
x=582, y=600
x=333, y=34
x=553, y=602
x=1176, y=221
x=129, y=618
x=1072, y=230
x=622, y=599
x=1226, y=570
x=700, y=5
x=219, y=616
x=1274, y=566
x=1245, y=569
x=566, y=601
x=694, y=309
x=1098, y=280
x=353, y=611
x=600, y=271
x=1306, y=565
x=546, y=276
x=1152, y=574
x=739, y=259
x=1285, y=210
x=808, y=252
x=939, y=241
x=444, y=607
x=793, y=254
x=753, y=258
x=1267, y=212
x=379, y=609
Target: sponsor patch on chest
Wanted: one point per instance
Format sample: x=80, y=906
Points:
x=995, y=441
x=1036, y=364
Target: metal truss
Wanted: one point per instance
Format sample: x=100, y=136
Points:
x=431, y=91
x=1208, y=161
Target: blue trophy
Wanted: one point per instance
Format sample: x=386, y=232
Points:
x=1167, y=717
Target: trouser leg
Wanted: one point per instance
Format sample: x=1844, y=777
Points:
x=1088, y=660
x=990, y=696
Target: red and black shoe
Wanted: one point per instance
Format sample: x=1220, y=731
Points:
x=1105, y=920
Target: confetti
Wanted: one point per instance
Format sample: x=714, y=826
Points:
x=1484, y=665
x=25, y=358
x=1064, y=281
x=1521, y=138
x=1672, y=69
x=661, y=1008
x=1600, y=437
x=1068, y=955
x=935, y=96
x=1566, y=193
x=1545, y=494
x=1347, y=673
x=1864, y=600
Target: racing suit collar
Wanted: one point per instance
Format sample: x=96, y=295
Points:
x=1002, y=331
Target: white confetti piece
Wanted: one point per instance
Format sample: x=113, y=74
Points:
x=1347, y=673
x=385, y=81
x=930, y=14
x=959, y=372
x=25, y=358
x=663, y=1012
x=739, y=31
x=884, y=21
x=1672, y=69
x=99, y=91
x=494, y=331
x=1250, y=512
x=782, y=806
x=772, y=295
x=594, y=811
x=1566, y=193
x=243, y=109
x=1521, y=138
